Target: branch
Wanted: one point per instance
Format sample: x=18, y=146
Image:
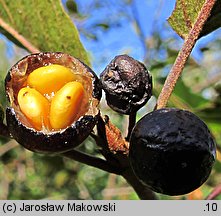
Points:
x=18, y=37
x=91, y=161
x=8, y=146
x=216, y=192
x=184, y=53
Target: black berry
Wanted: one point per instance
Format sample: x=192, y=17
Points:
x=172, y=151
x=127, y=84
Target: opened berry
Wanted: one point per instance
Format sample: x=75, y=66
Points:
x=54, y=101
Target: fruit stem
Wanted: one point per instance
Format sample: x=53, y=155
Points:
x=216, y=192
x=120, y=159
x=91, y=161
x=11, y=144
x=184, y=53
x=132, y=122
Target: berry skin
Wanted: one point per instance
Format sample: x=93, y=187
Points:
x=127, y=84
x=172, y=151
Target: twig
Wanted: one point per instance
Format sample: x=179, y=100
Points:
x=132, y=122
x=8, y=146
x=18, y=37
x=216, y=192
x=184, y=53
x=91, y=161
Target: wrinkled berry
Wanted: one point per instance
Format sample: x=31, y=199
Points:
x=172, y=151
x=127, y=84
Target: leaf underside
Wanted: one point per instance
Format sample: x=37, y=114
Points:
x=44, y=24
x=185, y=14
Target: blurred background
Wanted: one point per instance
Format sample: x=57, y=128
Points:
x=108, y=28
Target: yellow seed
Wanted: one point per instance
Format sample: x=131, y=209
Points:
x=65, y=105
x=50, y=78
x=35, y=107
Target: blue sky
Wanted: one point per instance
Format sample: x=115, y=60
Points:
x=123, y=39
x=152, y=14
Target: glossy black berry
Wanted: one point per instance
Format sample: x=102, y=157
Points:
x=127, y=84
x=172, y=151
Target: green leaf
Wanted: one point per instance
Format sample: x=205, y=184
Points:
x=185, y=14
x=44, y=24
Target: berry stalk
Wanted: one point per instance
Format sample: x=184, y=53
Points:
x=132, y=122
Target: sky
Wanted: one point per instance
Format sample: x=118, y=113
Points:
x=121, y=39
x=151, y=14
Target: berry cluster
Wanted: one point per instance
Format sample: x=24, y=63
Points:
x=54, y=107
x=171, y=150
